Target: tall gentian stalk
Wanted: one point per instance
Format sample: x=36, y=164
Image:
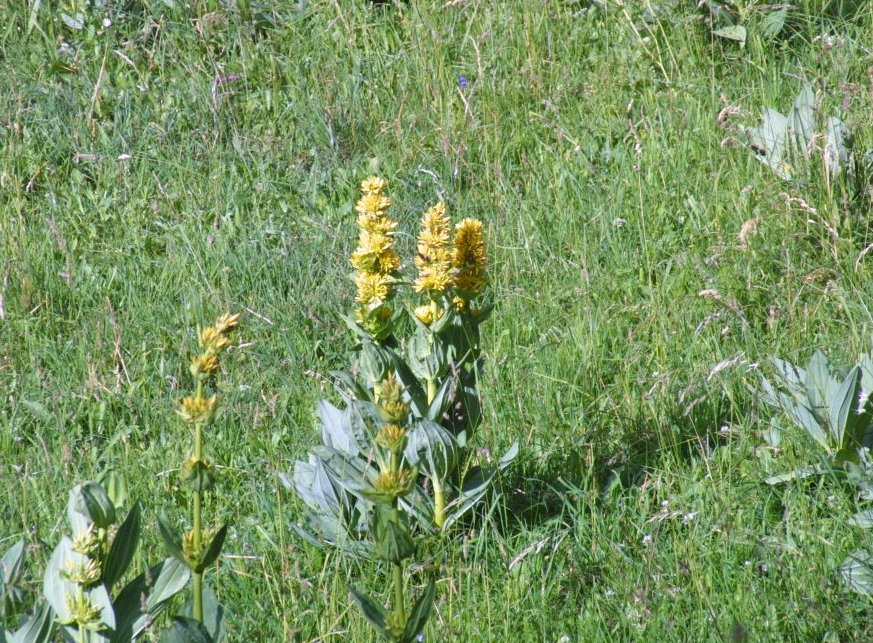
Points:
x=451, y=273
x=200, y=546
x=390, y=526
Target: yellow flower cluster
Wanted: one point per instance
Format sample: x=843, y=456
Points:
x=446, y=264
x=434, y=258
x=197, y=410
x=470, y=258
x=375, y=260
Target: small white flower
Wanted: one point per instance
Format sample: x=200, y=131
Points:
x=647, y=540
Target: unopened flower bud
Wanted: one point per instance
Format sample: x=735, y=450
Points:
x=392, y=438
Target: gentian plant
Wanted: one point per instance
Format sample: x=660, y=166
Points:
x=431, y=347
x=200, y=546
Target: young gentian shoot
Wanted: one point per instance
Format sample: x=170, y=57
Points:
x=199, y=547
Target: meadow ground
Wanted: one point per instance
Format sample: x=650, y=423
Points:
x=188, y=159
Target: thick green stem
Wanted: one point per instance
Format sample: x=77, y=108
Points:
x=439, y=502
x=431, y=391
x=399, y=607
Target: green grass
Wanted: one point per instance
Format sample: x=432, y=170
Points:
x=588, y=142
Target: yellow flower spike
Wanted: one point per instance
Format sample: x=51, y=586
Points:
x=197, y=410
x=470, y=257
x=372, y=203
x=435, y=229
x=434, y=255
x=375, y=254
x=375, y=261
x=377, y=223
x=227, y=323
x=373, y=287
x=374, y=185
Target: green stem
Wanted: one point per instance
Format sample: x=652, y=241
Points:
x=399, y=607
x=80, y=593
x=439, y=502
x=197, y=577
x=431, y=391
x=399, y=602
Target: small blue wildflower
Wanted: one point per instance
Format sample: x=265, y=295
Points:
x=462, y=81
x=420, y=637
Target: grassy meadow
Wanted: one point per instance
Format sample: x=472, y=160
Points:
x=182, y=159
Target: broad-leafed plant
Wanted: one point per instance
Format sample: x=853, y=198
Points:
x=431, y=346
x=831, y=405
x=83, y=597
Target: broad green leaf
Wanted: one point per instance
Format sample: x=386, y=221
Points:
x=818, y=382
x=158, y=586
x=475, y=485
x=797, y=474
x=336, y=429
x=842, y=425
x=172, y=541
x=123, y=548
x=773, y=23
x=866, y=365
x=433, y=449
x=863, y=519
x=793, y=376
x=38, y=410
x=768, y=142
x=836, y=152
x=393, y=542
x=441, y=401
x=801, y=122
x=56, y=588
x=115, y=486
x=374, y=614
x=809, y=423
x=185, y=630
x=213, y=550
x=857, y=572
x=420, y=613
x=91, y=500
x=38, y=628
x=737, y=33
x=12, y=564
x=213, y=612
